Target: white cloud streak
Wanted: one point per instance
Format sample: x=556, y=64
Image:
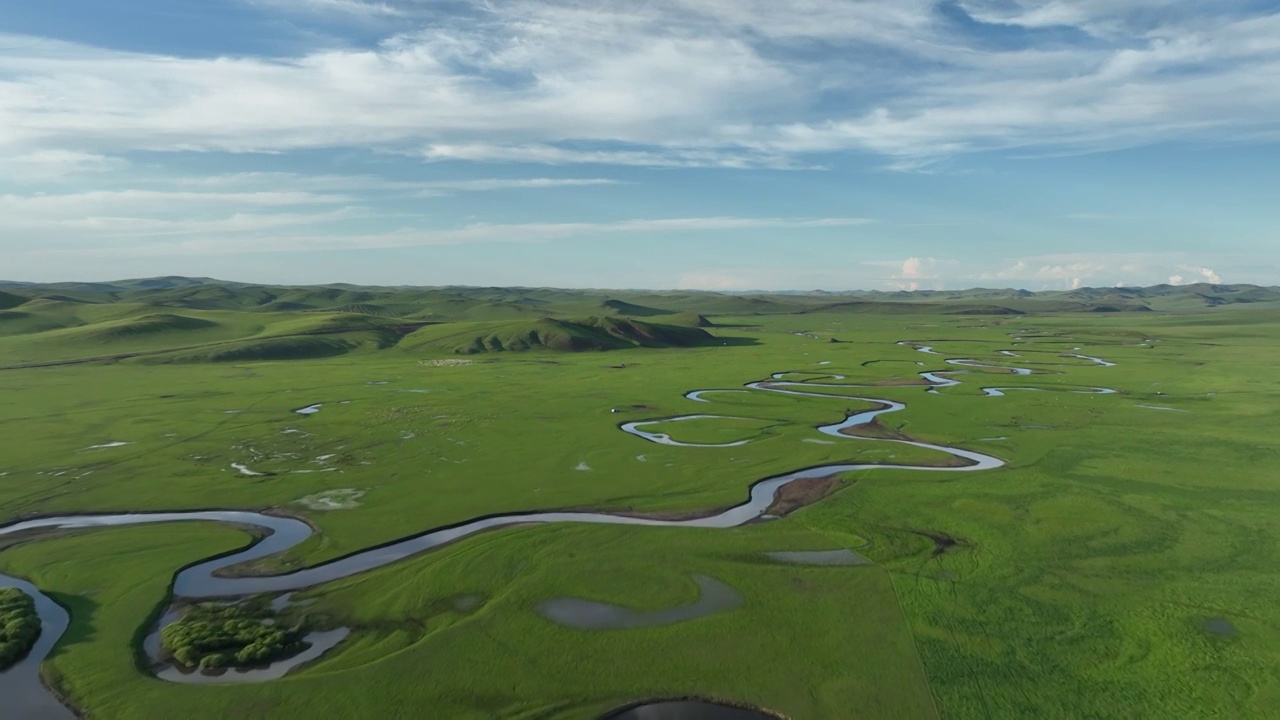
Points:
x=729, y=83
x=473, y=233
x=349, y=8
x=117, y=201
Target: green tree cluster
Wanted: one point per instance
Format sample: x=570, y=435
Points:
x=211, y=636
x=19, y=626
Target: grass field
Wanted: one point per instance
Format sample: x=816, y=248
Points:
x=1121, y=565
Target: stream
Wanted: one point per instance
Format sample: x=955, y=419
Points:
x=21, y=688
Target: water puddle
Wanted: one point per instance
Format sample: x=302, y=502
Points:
x=585, y=614
x=310, y=409
x=112, y=444
x=842, y=557
x=1219, y=626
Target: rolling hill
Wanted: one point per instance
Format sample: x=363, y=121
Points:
x=590, y=334
x=176, y=319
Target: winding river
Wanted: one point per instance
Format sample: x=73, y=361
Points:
x=24, y=694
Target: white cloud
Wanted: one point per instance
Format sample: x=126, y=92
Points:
x=487, y=184
x=364, y=183
x=212, y=243
x=1197, y=274
x=674, y=157
x=516, y=183
x=1074, y=270
x=58, y=164
x=1063, y=271
x=111, y=202
x=1040, y=272
x=675, y=83
x=138, y=227
x=108, y=215
x=357, y=8
x=914, y=268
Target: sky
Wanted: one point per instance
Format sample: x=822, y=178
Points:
x=711, y=144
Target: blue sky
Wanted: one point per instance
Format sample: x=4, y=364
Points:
x=721, y=144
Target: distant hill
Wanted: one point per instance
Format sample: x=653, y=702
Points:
x=590, y=334
x=689, y=319
x=902, y=308
x=9, y=300
x=176, y=319
x=107, y=332
x=622, y=307
x=454, y=304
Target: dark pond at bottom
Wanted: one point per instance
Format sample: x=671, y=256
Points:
x=686, y=710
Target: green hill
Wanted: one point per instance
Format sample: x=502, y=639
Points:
x=201, y=319
x=595, y=333
x=146, y=325
x=907, y=308
x=456, y=304
x=622, y=307
x=689, y=319
x=9, y=300
x=281, y=348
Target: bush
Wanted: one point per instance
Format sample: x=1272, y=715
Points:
x=211, y=636
x=19, y=626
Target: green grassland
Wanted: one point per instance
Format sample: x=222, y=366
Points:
x=1088, y=578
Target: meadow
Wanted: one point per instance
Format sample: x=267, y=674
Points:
x=1121, y=564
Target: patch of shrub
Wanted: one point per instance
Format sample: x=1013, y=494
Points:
x=211, y=636
x=19, y=626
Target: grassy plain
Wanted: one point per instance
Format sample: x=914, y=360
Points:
x=1091, y=577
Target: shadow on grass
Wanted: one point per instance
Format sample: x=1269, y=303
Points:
x=81, y=628
x=732, y=342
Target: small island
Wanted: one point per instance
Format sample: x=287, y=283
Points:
x=19, y=626
x=213, y=636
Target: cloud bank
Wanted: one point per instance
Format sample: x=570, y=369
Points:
x=736, y=83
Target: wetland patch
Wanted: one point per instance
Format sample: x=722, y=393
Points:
x=686, y=710
x=582, y=614
x=842, y=557
x=339, y=499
